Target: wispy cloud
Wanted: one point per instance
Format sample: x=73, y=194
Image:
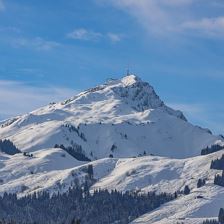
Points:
x=17, y=38
x=207, y=26
x=36, y=43
x=17, y=97
x=114, y=37
x=156, y=16
x=83, y=34
x=89, y=35
x=2, y=5
x=162, y=17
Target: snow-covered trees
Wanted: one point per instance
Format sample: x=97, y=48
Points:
x=72, y=128
x=209, y=221
x=7, y=222
x=221, y=216
x=219, y=179
x=77, y=206
x=74, y=221
x=90, y=171
x=8, y=147
x=218, y=164
x=201, y=183
x=211, y=149
x=75, y=151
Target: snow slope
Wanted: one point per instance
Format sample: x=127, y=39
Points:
x=54, y=170
x=169, y=175
x=123, y=117
x=188, y=209
x=160, y=174
x=51, y=170
x=38, y=173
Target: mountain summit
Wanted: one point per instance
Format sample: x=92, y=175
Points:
x=121, y=118
x=128, y=95
x=130, y=80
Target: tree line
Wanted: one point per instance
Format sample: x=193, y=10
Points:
x=78, y=205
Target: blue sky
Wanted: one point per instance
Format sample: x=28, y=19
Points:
x=50, y=50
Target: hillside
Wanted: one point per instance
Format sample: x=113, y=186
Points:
x=121, y=118
x=53, y=170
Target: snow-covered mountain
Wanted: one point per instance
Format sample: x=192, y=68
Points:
x=122, y=118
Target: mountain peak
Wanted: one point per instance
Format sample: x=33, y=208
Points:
x=130, y=79
x=124, y=96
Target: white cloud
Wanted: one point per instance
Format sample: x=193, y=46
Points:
x=83, y=34
x=209, y=26
x=164, y=17
x=157, y=16
x=114, y=37
x=35, y=43
x=176, y=2
x=18, y=98
x=88, y=35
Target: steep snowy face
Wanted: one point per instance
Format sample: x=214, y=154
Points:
x=142, y=96
x=137, y=93
x=128, y=95
x=121, y=118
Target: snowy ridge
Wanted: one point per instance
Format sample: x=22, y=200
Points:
x=130, y=90
x=126, y=115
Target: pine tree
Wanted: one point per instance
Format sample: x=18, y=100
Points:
x=219, y=180
x=221, y=215
x=74, y=221
x=113, y=147
x=8, y=147
x=200, y=183
x=175, y=195
x=90, y=171
x=187, y=190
